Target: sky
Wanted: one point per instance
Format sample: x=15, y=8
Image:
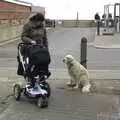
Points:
x=67, y=9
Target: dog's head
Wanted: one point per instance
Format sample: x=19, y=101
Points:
x=68, y=59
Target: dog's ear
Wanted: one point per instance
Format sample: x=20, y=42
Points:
x=69, y=59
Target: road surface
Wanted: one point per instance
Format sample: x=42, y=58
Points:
x=65, y=104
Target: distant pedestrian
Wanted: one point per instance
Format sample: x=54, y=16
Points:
x=97, y=17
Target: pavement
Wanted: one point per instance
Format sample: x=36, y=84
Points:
x=107, y=41
x=102, y=103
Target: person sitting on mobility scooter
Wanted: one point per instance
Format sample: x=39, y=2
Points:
x=33, y=54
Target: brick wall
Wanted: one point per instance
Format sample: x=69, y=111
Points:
x=11, y=13
x=7, y=6
x=11, y=17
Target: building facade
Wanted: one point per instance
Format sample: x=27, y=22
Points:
x=14, y=11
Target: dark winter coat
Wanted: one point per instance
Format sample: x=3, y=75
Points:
x=34, y=30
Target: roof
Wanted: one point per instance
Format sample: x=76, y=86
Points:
x=38, y=9
x=19, y=2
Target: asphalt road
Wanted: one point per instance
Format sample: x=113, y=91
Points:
x=67, y=41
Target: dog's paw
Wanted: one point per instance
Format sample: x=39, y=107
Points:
x=86, y=89
x=76, y=87
x=69, y=84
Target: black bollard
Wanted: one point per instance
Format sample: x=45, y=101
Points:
x=98, y=28
x=83, y=60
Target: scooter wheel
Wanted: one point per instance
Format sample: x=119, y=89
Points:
x=42, y=102
x=17, y=92
x=45, y=102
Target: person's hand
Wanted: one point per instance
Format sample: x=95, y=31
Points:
x=33, y=42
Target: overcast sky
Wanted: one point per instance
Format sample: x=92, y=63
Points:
x=67, y=9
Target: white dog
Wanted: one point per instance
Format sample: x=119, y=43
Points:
x=78, y=73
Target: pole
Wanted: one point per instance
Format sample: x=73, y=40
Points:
x=84, y=52
x=98, y=27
